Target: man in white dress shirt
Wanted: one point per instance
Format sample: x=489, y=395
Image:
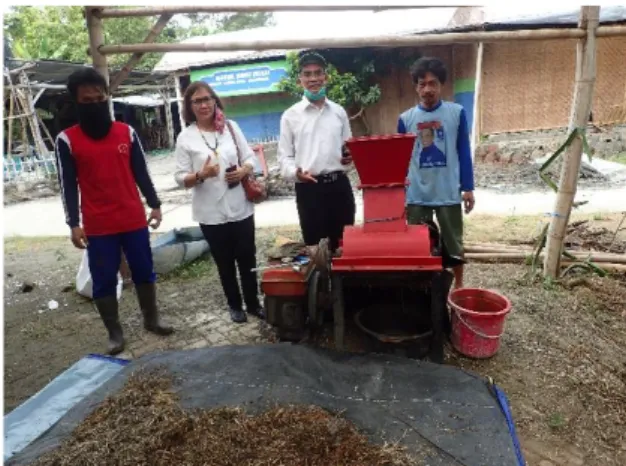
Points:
x=311, y=152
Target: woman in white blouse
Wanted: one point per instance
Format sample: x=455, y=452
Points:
x=208, y=162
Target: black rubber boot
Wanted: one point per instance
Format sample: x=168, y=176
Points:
x=146, y=294
x=108, y=309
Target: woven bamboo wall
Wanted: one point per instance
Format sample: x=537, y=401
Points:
x=529, y=85
x=398, y=94
x=609, y=100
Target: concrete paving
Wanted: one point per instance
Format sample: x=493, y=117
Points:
x=45, y=217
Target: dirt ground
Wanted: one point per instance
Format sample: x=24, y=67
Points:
x=562, y=362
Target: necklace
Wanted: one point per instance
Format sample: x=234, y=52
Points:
x=211, y=148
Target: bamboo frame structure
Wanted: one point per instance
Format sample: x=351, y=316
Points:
x=136, y=57
x=476, y=126
x=169, y=121
x=96, y=40
x=180, y=100
x=160, y=10
x=357, y=42
x=581, y=108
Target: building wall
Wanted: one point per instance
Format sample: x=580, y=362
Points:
x=463, y=75
x=398, y=94
x=258, y=115
x=528, y=85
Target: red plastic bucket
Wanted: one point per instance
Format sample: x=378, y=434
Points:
x=477, y=321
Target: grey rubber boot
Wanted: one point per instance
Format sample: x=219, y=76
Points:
x=146, y=294
x=108, y=309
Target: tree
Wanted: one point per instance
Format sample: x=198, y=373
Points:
x=60, y=33
x=239, y=21
x=353, y=90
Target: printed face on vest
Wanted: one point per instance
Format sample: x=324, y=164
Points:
x=312, y=78
x=203, y=105
x=429, y=90
x=428, y=137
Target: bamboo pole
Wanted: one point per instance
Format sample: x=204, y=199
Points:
x=26, y=100
x=522, y=255
x=168, y=119
x=155, y=11
x=129, y=87
x=581, y=107
x=477, y=94
x=503, y=259
x=10, y=122
x=96, y=40
x=136, y=57
x=357, y=42
x=180, y=100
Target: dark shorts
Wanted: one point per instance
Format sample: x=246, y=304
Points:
x=104, y=254
x=450, y=220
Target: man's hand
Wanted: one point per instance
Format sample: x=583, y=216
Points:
x=79, y=238
x=468, y=201
x=346, y=157
x=238, y=174
x=305, y=177
x=208, y=170
x=155, y=218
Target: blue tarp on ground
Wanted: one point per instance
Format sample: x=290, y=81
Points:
x=40, y=412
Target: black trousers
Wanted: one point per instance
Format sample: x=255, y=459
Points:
x=232, y=246
x=325, y=208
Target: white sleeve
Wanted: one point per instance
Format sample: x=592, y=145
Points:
x=346, y=131
x=184, y=166
x=286, y=155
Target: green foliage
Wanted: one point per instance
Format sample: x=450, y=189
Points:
x=344, y=88
x=60, y=33
x=353, y=91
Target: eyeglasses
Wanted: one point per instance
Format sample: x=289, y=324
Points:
x=203, y=100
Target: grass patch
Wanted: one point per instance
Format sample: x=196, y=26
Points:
x=200, y=268
x=619, y=158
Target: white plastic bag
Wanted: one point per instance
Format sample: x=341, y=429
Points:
x=84, y=284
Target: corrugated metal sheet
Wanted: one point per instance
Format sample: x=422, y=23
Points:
x=341, y=24
x=370, y=24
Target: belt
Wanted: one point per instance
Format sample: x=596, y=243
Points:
x=330, y=177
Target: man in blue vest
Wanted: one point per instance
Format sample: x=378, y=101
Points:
x=441, y=175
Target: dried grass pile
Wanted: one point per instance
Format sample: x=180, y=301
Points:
x=144, y=424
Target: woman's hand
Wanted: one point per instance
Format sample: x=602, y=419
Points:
x=238, y=174
x=208, y=170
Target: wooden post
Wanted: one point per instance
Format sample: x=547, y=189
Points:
x=168, y=118
x=29, y=110
x=476, y=126
x=10, y=122
x=96, y=40
x=179, y=99
x=136, y=57
x=581, y=107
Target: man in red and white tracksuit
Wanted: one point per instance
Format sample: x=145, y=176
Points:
x=103, y=161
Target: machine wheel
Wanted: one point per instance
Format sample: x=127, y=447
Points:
x=318, y=298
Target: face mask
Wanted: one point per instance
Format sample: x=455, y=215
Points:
x=315, y=96
x=95, y=119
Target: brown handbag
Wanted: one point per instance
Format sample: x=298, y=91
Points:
x=254, y=189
